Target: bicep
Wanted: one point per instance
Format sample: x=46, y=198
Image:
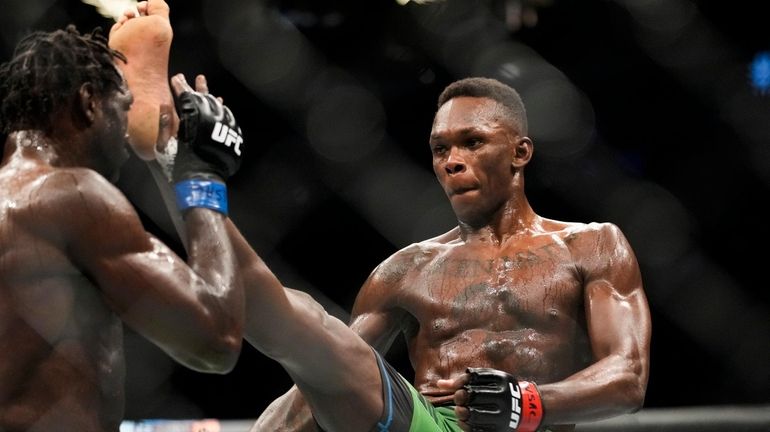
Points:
x=140, y=278
x=616, y=306
x=617, y=324
x=374, y=318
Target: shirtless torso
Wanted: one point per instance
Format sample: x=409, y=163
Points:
x=62, y=366
x=517, y=306
x=76, y=263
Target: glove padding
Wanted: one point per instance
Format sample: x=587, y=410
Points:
x=498, y=402
x=209, y=138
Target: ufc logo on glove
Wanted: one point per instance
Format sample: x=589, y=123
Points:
x=498, y=402
x=515, y=406
x=227, y=136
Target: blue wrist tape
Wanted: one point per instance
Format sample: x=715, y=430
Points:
x=201, y=193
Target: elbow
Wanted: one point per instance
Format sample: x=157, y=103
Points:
x=633, y=391
x=625, y=386
x=221, y=355
x=634, y=398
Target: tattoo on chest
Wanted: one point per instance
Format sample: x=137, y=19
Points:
x=468, y=267
x=479, y=298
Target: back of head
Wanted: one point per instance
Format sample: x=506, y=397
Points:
x=47, y=70
x=493, y=89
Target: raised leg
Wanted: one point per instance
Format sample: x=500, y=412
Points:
x=146, y=41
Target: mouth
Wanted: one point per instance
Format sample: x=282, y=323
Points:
x=460, y=189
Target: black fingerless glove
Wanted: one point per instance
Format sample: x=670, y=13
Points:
x=210, y=140
x=209, y=151
x=498, y=402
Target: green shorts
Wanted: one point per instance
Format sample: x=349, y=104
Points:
x=406, y=410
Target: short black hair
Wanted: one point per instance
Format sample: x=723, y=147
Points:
x=47, y=70
x=490, y=88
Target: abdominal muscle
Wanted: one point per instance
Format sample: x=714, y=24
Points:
x=525, y=354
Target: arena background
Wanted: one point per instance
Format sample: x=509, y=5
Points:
x=650, y=114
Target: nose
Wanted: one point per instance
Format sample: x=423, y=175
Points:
x=454, y=164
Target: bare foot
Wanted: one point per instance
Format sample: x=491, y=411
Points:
x=146, y=41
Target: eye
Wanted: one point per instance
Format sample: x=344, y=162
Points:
x=473, y=142
x=438, y=149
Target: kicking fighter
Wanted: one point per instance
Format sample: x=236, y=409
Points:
x=551, y=315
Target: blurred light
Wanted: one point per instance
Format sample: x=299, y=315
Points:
x=113, y=8
x=513, y=63
x=561, y=119
x=345, y=123
x=522, y=13
x=381, y=193
x=653, y=219
x=759, y=72
x=404, y=2
x=662, y=17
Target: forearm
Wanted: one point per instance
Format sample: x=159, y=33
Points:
x=212, y=258
x=210, y=252
x=613, y=386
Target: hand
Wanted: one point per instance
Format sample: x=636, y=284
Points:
x=489, y=400
x=209, y=138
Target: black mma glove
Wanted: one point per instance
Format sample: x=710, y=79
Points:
x=208, y=152
x=498, y=402
x=209, y=138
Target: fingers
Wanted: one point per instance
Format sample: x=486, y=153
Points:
x=201, y=84
x=179, y=84
x=462, y=413
x=461, y=397
x=453, y=383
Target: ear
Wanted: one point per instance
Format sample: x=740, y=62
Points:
x=86, y=103
x=522, y=151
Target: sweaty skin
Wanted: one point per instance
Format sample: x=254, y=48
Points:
x=76, y=263
x=146, y=42
x=557, y=303
x=516, y=306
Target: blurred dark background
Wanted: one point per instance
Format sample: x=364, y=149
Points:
x=653, y=114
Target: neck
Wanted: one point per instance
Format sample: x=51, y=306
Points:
x=35, y=144
x=514, y=218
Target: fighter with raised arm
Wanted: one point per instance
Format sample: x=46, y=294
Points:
x=76, y=263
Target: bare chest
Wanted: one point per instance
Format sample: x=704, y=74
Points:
x=537, y=288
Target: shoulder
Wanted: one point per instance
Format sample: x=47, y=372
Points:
x=73, y=185
x=414, y=257
x=394, y=273
x=596, y=246
x=78, y=199
x=604, y=237
x=580, y=233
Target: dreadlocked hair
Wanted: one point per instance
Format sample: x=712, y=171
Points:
x=47, y=70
